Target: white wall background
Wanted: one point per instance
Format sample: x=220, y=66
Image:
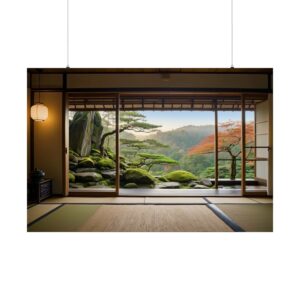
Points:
x=149, y=266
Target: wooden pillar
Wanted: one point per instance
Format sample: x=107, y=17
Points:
x=216, y=146
x=243, y=144
x=255, y=129
x=117, y=182
x=65, y=137
x=31, y=132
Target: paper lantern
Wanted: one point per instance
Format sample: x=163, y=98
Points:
x=39, y=112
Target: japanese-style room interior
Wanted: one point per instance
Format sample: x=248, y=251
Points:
x=150, y=150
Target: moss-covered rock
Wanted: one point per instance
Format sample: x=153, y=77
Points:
x=109, y=174
x=73, y=158
x=138, y=176
x=111, y=154
x=180, y=176
x=71, y=177
x=130, y=185
x=88, y=177
x=162, y=178
x=91, y=183
x=168, y=185
x=95, y=152
x=105, y=164
x=72, y=152
x=86, y=162
x=72, y=165
x=206, y=182
x=84, y=170
x=123, y=165
x=104, y=182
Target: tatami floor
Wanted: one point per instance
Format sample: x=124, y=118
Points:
x=151, y=214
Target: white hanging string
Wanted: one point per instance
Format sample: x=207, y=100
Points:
x=68, y=34
x=232, y=34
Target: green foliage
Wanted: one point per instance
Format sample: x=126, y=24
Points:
x=135, y=121
x=142, y=144
x=150, y=159
x=86, y=162
x=71, y=177
x=104, y=182
x=224, y=171
x=95, y=152
x=180, y=176
x=73, y=158
x=72, y=152
x=105, y=163
x=143, y=126
x=162, y=179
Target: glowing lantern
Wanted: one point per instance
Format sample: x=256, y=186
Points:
x=39, y=112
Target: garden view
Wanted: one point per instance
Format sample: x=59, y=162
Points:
x=164, y=150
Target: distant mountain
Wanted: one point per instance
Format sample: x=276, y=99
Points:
x=185, y=137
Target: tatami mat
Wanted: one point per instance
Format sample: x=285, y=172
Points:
x=230, y=200
x=250, y=217
x=174, y=200
x=35, y=212
x=262, y=200
x=131, y=218
x=96, y=200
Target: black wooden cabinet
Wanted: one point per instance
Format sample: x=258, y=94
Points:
x=40, y=190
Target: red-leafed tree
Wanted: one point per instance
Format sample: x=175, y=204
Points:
x=229, y=140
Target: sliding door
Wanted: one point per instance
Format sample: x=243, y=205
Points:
x=258, y=139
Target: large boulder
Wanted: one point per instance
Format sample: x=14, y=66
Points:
x=88, y=177
x=180, y=176
x=138, y=176
x=85, y=130
x=97, y=130
x=105, y=164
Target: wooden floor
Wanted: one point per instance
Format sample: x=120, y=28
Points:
x=151, y=214
x=144, y=192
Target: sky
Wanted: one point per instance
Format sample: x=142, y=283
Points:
x=174, y=119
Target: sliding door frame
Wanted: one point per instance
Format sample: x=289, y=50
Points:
x=99, y=193
x=117, y=149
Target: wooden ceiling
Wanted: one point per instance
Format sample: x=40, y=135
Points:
x=164, y=101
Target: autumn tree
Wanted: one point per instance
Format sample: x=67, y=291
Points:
x=229, y=140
